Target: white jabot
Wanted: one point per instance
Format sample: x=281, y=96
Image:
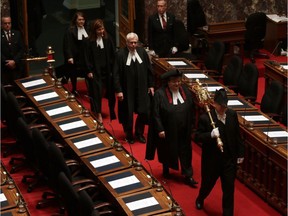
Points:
x=221, y=118
x=82, y=32
x=177, y=96
x=133, y=56
x=99, y=42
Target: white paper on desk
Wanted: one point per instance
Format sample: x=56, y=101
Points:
x=2, y=197
x=72, y=125
x=129, y=180
x=105, y=161
x=213, y=88
x=195, y=76
x=234, y=103
x=143, y=203
x=254, y=118
x=277, y=18
x=276, y=133
x=87, y=142
x=46, y=96
x=285, y=67
x=177, y=63
x=59, y=110
x=33, y=83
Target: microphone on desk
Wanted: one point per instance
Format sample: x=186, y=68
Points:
x=83, y=111
x=174, y=206
x=153, y=181
x=115, y=143
x=276, y=47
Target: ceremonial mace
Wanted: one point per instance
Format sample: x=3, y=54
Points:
x=204, y=99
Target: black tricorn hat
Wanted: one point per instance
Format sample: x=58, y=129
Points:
x=220, y=97
x=171, y=73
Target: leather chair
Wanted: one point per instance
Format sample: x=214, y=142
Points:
x=14, y=111
x=231, y=73
x=195, y=19
x=182, y=41
x=213, y=62
x=77, y=198
x=271, y=100
x=255, y=34
x=248, y=82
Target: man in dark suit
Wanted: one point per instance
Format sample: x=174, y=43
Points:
x=133, y=82
x=12, y=51
x=214, y=162
x=161, y=31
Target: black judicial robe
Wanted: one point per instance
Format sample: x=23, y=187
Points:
x=134, y=81
x=101, y=64
x=176, y=121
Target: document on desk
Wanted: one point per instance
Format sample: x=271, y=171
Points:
x=143, y=203
x=234, y=103
x=59, y=110
x=105, y=161
x=72, y=125
x=46, y=96
x=277, y=18
x=195, y=76
x=213, y=88
x=3, y=199
x=274, y=134
x=255, y=118
x=88, y=142
x=177, y=63
x=33, y=83
x=129, y=180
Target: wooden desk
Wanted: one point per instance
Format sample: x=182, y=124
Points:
x=16, y=212
x=34, y=83
x=190, y=76
x=256, y=118
x=63, y=109
x=154, y=202
x=239, y=104
x=265, y=166
x=228, y=32
x=47, y=96
x=274, y=71
x=126, y=181
x=73, y=126
x=90, y=143
x=162, y=65
x=107, y=161
x=275, y=32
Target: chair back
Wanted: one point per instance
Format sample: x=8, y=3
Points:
x=248, y=81
x=255, y=30
x=195, y=16
x=232, y=71
x=271, y=100
x=68, y=195
x=214, y=58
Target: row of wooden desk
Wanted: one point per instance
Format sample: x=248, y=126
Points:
x=11, y=201
x=126, y=182
x=265, y=166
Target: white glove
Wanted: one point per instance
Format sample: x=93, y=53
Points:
x=174, y=50
x=240, y=160
x=215, y=133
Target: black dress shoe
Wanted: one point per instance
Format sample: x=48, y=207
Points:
x=199, y=204
x=191, y=182
x=130, y=140
x=141, y=139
